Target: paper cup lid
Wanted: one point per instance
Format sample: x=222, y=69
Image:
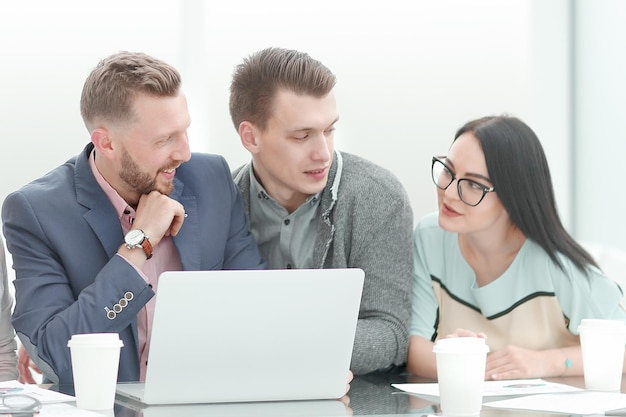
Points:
x=461, y=345
x=95, y=340
x=602, y=325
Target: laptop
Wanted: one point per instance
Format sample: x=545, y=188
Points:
x=304, y=408
x=252, y=335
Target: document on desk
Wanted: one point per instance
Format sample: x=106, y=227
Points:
x=53, y=401
x=45, y=396
x=578, y=403
x=67, y=410
x=516, y=387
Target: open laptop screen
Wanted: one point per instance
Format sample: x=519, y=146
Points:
x=255, y=335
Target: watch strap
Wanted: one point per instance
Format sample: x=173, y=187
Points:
x=147, y=247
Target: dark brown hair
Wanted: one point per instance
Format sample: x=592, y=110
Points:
x=258, y=78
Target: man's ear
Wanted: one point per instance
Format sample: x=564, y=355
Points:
x=101, y=139
x=248, y=134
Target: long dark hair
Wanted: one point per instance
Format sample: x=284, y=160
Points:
x=519, y=171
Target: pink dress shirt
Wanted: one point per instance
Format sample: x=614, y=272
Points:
x=165, y=258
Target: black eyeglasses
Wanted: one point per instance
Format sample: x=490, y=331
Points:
x=470, y=191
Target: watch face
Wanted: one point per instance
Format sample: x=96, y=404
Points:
x=134, y=237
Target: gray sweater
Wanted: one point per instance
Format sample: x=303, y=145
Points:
x=366, y=222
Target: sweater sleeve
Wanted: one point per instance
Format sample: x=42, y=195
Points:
x=381, y=230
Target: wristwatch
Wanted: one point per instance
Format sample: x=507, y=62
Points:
x=136, y=238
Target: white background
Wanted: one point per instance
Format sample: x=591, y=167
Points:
x=410, y=72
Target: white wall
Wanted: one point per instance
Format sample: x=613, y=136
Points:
x=410, y=72
x=600, y=87
x=48, y=49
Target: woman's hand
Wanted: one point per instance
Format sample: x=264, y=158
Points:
x=466, y=333
x=514, y=362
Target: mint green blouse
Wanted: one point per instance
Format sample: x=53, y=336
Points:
x=533, y=304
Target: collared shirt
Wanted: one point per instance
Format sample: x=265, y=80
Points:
x=165, y=258
x=285, y=240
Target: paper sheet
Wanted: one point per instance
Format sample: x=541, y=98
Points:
x=52, y=400
x=515, y=387
x=579, y=403
x=67, y=410
x=44, y=396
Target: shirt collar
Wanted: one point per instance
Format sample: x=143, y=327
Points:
x=257, y=190
x=118, y=202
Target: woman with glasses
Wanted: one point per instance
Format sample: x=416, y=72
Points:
x=495, y=260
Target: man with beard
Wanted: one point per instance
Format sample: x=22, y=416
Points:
x=90, y=238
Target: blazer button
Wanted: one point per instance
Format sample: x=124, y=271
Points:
x=110, y=313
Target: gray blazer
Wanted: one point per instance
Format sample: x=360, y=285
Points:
x=64, y=233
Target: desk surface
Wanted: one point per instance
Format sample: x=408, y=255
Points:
x=370, y=395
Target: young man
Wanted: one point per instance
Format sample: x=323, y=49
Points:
x=310, y=206
x=90, y=238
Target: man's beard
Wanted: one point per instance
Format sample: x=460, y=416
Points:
x=141, y=182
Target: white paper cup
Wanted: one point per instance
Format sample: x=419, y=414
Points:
x=461, y=374
x=95, y=361
x=602, y=343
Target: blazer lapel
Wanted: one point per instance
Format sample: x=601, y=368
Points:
x=187, y=241
x=104, y=221
x=100, y=214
